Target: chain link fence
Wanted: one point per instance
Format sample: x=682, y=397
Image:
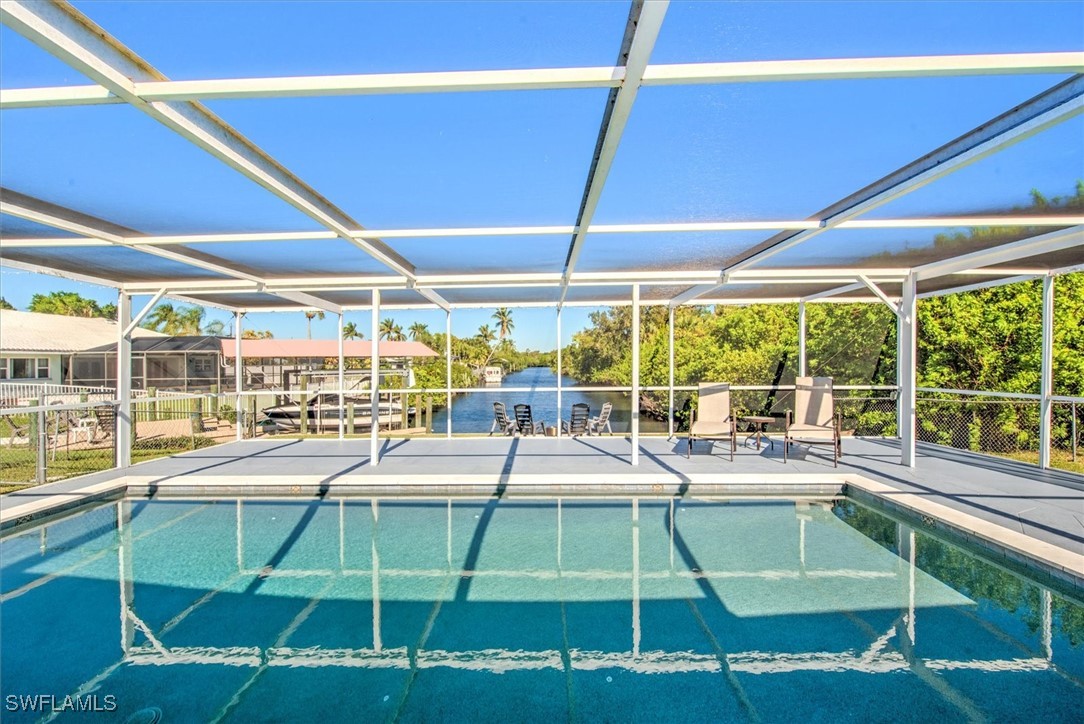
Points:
x=1067, y=436
x=1001, y=426
x=168, y=425
x=43, y=443
x=46, y=443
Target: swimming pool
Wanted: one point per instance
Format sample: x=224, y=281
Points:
x=522, y=609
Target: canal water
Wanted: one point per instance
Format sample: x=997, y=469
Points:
x=472, y=412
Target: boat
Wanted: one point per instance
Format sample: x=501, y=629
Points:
x=492, y=375
x=323, y=414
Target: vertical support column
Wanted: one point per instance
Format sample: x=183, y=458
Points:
x=1047, y=374
x=448, y=370
x=634, y=416
x=801, y=340
x=124, y=431
x=670, y=416
x=342, y=382
x=907, y=365
x=560, y=371
x=374, y=385
x=238, y=374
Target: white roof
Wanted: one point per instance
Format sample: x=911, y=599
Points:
x=33, y=332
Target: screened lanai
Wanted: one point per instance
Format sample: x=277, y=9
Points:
x=549, y=156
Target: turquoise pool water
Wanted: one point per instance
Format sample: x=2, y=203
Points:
x=586, y=610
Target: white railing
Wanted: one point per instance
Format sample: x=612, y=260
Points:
x=22, y=393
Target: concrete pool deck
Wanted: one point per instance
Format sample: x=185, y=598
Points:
x=1014, y=507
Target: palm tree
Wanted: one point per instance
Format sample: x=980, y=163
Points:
x=504, y=321
x=162, y=318
x=215, y=328
x=391, y=331
x=486, y=334
x=309, y=316
x=350, y=331
x=190, y=320
x=419, y=330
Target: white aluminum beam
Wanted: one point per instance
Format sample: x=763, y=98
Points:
x=1046, y=373
x=143, y=312
x=1005, y=253
x=488, y=231
x=801, y=339
x=342, y=379
x=907, y=364
x=238, y=375
x=434, y=298
x=893, y=305
x=552, y=78
x=448, y=369
x=834, y=292
x=1058, y=104
x=979, y=285
x=374, y=383
x=59, y=217
x=634, y=412
x=853, y=68
x=70, y=275
x=670, y=349
x=69, y=35
x=694, y=292
x=122, y=435
x=641, y=32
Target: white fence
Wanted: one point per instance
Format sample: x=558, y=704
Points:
x=21, y=394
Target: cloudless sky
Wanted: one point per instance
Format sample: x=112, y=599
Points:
x=779, y=150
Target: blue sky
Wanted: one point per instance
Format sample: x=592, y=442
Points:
x=764, y=151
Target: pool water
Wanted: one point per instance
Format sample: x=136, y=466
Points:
x=586, y=610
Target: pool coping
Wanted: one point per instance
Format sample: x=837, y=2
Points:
x=1063, y=565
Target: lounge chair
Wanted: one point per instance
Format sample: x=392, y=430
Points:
x=712, y=420
x=525, y=421
x=813, y=422
x=577, y=423
x=501, y=421
x=595, y=424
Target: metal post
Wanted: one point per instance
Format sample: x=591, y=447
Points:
x=123, y=437
x=634, y=417
x=374, y=385
x=560, y=369
x=1047, y=373
x=342, y=383
x=907, y=364
x=447, y=371
x=801, y=340
x=238, y=374
x=670, y=416
x=42, y=440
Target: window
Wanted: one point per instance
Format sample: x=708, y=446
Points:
x=26, y=368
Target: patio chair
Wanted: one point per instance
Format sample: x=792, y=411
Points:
x=501, y=421
x=713, y=419
x=85, y=424
x=525, y=423
x=577, y=423
x=595, y=424
x=813, y=422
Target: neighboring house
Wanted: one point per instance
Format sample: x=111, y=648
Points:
x=179, y=364
x=38, y=347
